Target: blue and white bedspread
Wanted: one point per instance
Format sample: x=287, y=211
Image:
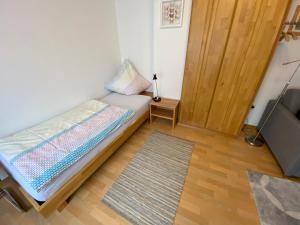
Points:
x=41, y=153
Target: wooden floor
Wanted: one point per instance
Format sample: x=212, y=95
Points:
x=216, y=191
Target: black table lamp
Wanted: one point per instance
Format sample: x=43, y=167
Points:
x=155, y=98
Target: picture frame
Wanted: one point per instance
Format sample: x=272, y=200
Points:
x=291, y=28
x=171, y=13
x=295, y=20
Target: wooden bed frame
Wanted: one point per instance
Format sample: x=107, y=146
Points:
x=60, y=199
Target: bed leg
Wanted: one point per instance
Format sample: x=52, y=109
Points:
x=70, y=198
x=62, y=206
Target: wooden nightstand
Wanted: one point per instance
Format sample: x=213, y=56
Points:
x=166, y=109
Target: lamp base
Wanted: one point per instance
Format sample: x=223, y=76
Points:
x=156, y=99
x=257, y=142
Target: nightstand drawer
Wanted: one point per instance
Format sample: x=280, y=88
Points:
x=162, y=113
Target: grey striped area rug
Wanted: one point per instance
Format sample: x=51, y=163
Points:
x=148, y=190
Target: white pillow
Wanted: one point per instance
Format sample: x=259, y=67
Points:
x=128, y=81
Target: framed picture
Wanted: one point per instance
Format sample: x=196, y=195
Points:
x=171, y=13
x=295, y=20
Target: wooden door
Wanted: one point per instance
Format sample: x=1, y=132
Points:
x=220, y=84
x=210, y=25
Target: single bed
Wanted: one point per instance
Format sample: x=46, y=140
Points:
x=137, y=103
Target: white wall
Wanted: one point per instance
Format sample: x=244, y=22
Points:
x=54, y=55
x=150, y=48
x=170, y=47
x=135, y=29
x=277, y=75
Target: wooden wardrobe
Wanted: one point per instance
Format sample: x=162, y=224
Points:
x=230, y=46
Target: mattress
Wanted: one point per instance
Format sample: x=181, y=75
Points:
x=138, y=103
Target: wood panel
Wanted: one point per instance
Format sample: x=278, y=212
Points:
x=230, y=45
x=201, y=11
x=254, y=34
x=210, y=26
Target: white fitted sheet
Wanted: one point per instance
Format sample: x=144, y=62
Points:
x=139, y=103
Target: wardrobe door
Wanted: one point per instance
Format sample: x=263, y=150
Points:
x=253, y=37
x=210, y=25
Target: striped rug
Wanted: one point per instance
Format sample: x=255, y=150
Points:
x=148, y=190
